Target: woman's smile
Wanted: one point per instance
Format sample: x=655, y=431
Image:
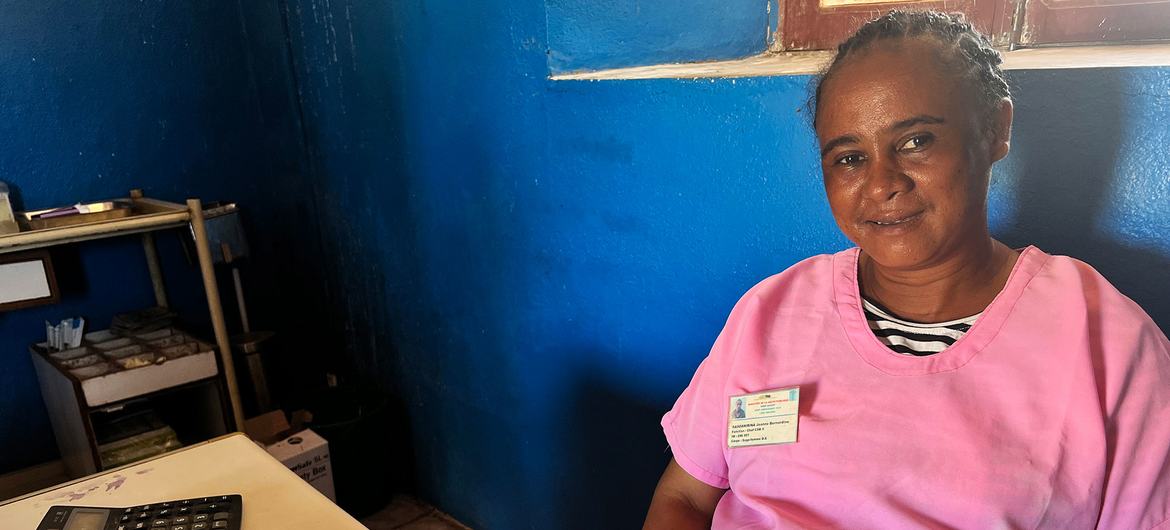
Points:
x=903, y=220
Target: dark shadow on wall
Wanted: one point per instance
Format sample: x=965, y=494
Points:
x=614, y=453
x=354, y=165
x=249, y=105
x=1068, y=134
x=417, y=287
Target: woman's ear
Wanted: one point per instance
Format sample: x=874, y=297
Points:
x=1001, y=130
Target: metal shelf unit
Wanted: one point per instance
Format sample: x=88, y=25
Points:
x=152, y=215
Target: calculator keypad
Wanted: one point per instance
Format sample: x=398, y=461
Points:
x=222, y=512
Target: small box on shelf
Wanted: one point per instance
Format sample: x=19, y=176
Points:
x=301, y=450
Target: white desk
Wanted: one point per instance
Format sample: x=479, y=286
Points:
x=274, y=497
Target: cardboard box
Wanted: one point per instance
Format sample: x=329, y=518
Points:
x=268, y=428
x=306, y=453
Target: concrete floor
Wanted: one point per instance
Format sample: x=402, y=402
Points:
x=408, y=513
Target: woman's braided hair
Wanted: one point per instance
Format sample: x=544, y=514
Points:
x=963, y=48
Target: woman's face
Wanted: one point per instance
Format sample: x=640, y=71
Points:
x=905, y=157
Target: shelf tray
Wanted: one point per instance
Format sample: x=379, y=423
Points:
x=151, y=214
x=116, y=382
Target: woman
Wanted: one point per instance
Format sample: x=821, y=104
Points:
x=942, y=379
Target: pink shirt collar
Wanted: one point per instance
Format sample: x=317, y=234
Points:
x=847, y=298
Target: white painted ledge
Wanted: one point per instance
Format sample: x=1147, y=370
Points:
x=798, y=63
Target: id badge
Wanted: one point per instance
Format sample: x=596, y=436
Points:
x=763, y=418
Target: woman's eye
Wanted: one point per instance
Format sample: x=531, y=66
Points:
x=916, y=142
x=848, y=160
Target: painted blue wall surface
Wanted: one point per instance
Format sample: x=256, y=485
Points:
x=98, y=98
x=615, y=33
x=1088, y=175
x=537, y=267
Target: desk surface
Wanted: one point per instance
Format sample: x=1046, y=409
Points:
x=274, y=497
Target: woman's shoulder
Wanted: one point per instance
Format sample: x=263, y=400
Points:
x=1070, y=279
x=1067, y=284
x=805, y=284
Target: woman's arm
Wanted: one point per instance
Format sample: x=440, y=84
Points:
x=681, y=501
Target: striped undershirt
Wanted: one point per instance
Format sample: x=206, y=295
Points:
x=913, y=338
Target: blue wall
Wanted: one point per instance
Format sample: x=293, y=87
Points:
x=181, y=99
x=537, y=267
x=1088, y=176
x=615, y=33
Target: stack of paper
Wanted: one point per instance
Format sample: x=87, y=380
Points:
x=142, y=321
x=65, y=335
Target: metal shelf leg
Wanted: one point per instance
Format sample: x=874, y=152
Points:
x=218, y=323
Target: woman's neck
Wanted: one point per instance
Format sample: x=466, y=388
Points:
x=954, y=288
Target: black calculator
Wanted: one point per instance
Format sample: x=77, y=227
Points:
x=221, y=512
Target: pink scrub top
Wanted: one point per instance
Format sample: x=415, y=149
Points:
x=1053, y=411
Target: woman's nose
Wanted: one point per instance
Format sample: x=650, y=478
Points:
x=886, y=181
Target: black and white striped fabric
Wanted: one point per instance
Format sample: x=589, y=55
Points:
x=913, y=338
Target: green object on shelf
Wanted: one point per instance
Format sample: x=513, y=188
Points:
x=137, y=447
